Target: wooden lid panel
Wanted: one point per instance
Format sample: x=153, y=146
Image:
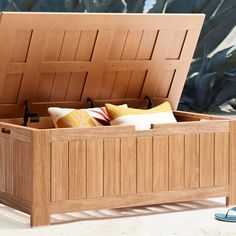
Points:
x=116, y=58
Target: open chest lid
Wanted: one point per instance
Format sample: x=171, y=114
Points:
x=61, y=59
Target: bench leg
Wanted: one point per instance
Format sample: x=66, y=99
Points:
x=40, y=208
x=40, y=217
x=231, y=199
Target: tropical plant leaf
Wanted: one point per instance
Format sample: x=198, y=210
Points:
x=159, y=6
x=218, y=28
x=227, y=92
x=200, y=5
x=231, y=73
x=180, y=6
x=135, y=5
x=3, y=4
x=211, y=8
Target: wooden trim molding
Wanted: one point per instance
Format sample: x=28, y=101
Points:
x=16, y=203
x=138, y=199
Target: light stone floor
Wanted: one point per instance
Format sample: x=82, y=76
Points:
x=179, y=219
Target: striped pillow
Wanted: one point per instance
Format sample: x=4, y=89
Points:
x=142, y=119
x=74, y=118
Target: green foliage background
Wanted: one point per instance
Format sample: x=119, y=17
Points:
x=211, y=83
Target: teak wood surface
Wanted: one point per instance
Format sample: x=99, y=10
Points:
x=62, y=59
x=116, y=58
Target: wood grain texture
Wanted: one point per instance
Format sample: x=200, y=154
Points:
x=176, y=162
x=41, y=186
x=95, y=168
x=16, y=168
x=144, y=165
x=21, y=170
x=144, y=51
x=128, y=165
x=156, y=72
x=59, y=171
x=100, y=54
x=127, y=131
x=160, y=163
x=127, y=56
x=12, y=83
x=198, y=116
x=77, y=169
x=231, y=200
x=68, y=53
x=139, y=199
x=187, y=51
x=84, y=53
x=111, y=58
x=2, y=165
x=193, y=127
x=52, y=53
x=15, y=203
x=6, y=45
x=221, y=159
x=34, y=58
x=24, y=152
x=177, y=46
x=20, y=45
x=111, y=167
x=207, y=159
x=103, y=21
x=9, y=165
x=129, y=53
x=192, y=161
x=115, y=54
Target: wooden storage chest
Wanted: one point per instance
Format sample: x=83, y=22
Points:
x=61, y=60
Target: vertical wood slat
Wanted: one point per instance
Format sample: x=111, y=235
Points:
x=68, y=53
x=12, y=86
x=6, y=42
x=25, y=177
x=177, y=44
x=164, y=88
x=2, y=165
x=221, y=158
x=12, y=83
x=16, y=168
x=192, y=161
x=100, y=54
x=52, y=53
x=9, y=165
x=154, y=76
x=207, y=160
x=128, y=165
x=176, y=162
x=59, y=171
x=77, y=169
x=176, y=88
x=144, y=53
x=34, y=60
x=111, y=167
x=144, y=164
x=84, y=53
x=20, y=45
x=130, y=53
x=94, y=168
x=115, y=53
x=160, y=163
